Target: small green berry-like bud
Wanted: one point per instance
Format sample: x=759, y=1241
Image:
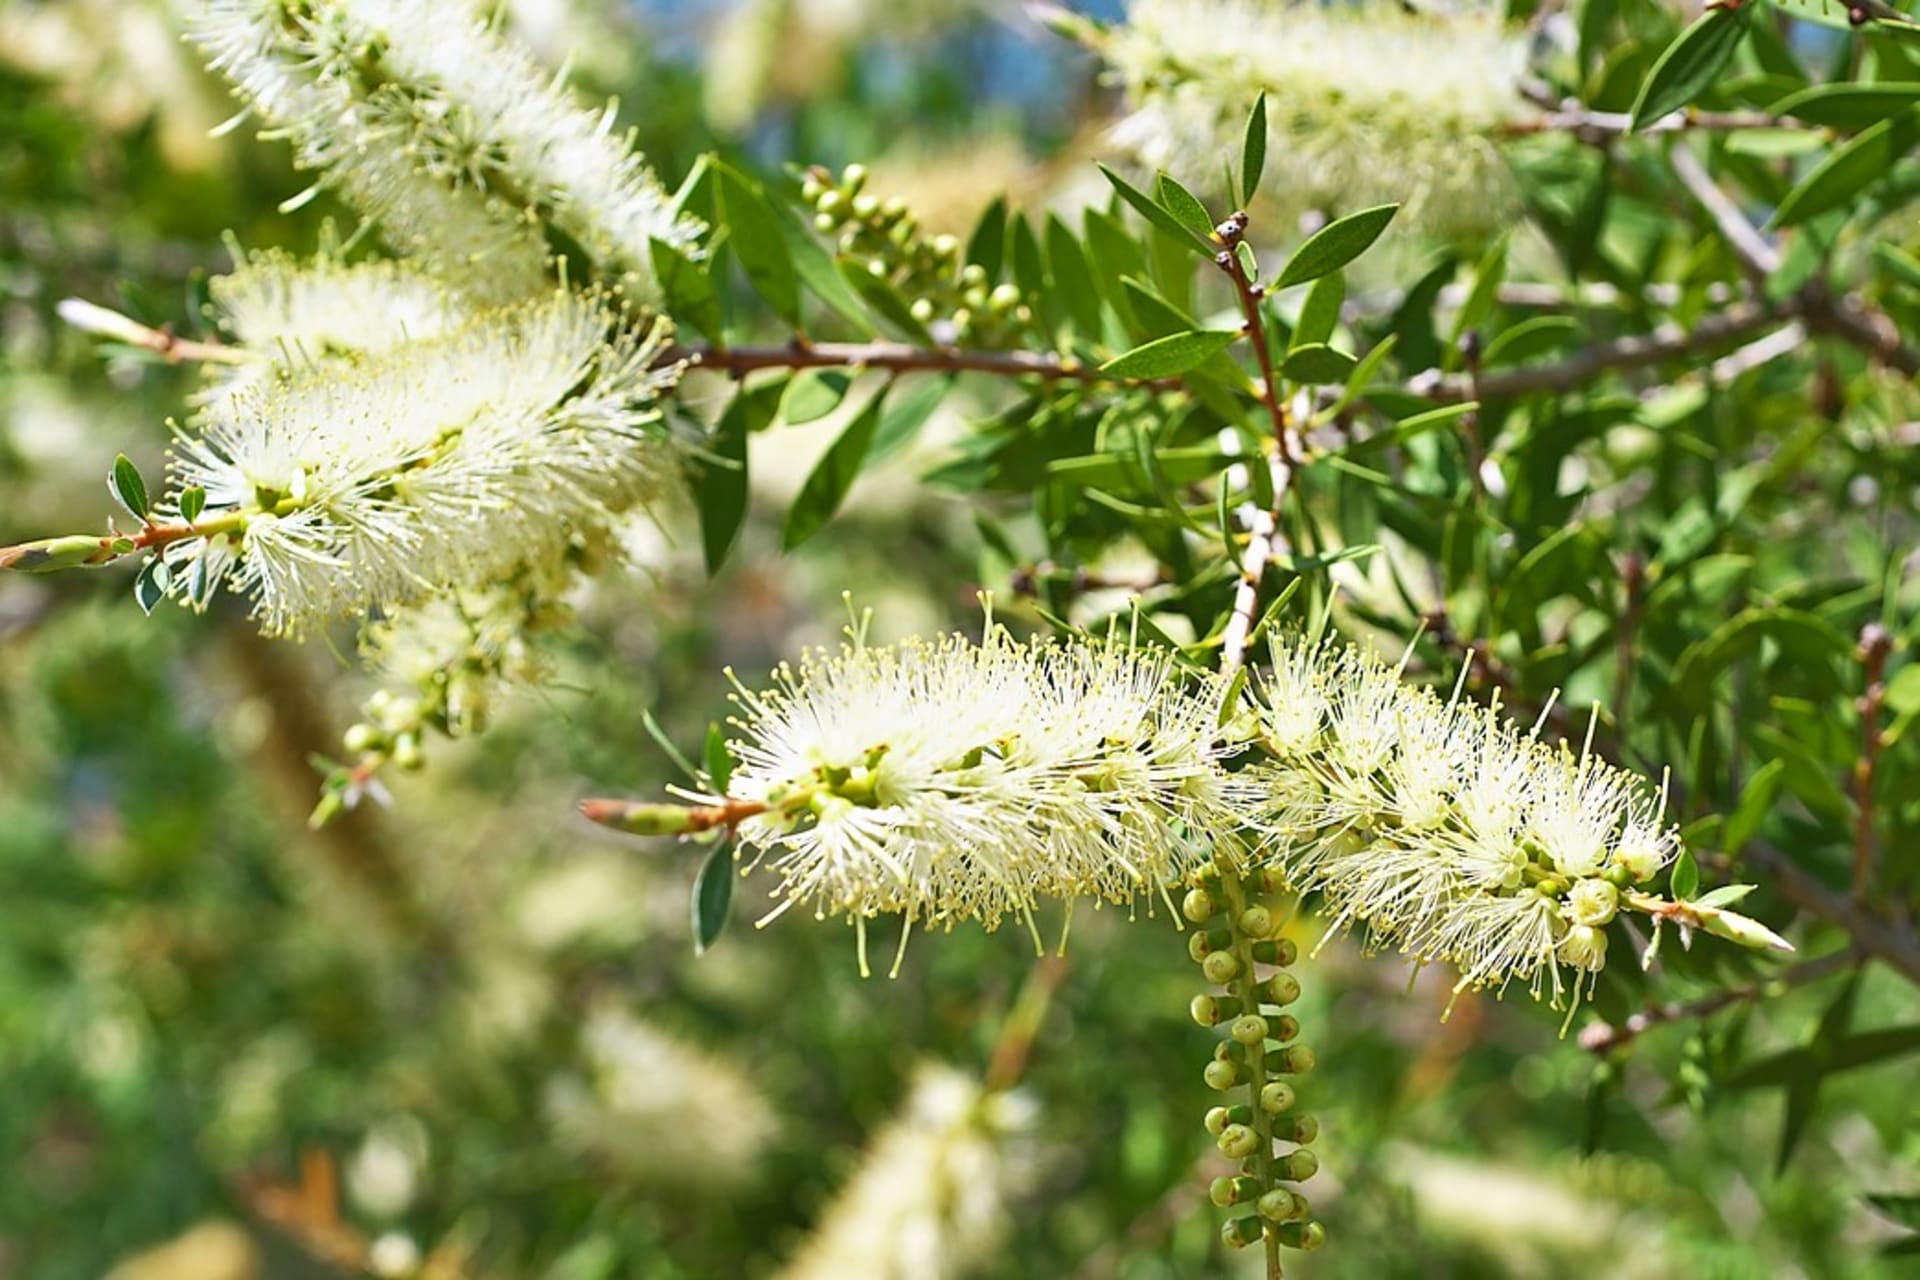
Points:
x=1211, y=1011
x=1250, y=1030
x=1004, y=297
x=1238, y=1141
x=1280, y=951
x=1300, y=1165
x=864, y=207
x=962, y=320
x=894, y=209
x=946, y=246
x=973, y=276
x=1227, y=1192
x=1294, y=1060
x=1282, y=989
x=975, y=298
x=1270, y=880
x=1203, y=944
x=407, y=753
x=360, y=738
x=853, y=177
x=1277, y=1205
x=834, y=205
x=1299, y=1129
x=922, y=309
x=811, y=189
x=1221, y=967
x=1284, y=1028
x=1256, y=922
x=1241, y=1232
x=1222, y=1076
x=1276, y=1096
x=1198, y=906
x=1217, y=1120
x=1305, y=1236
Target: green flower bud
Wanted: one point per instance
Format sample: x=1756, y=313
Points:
x=962, y=321
x=1227, y=1192
x=894, y=209
x=1305, y=1236
x=1250, y=1030
x=853, y=177
x=1238, y=1141
x=1217, y=1120
x=1277, y=1205
x=1241, y=1232
x=834, y=205
x=945, y=246
x=1300, y=1165
x=1276, y=1096
x=1198, y=906
x=407, y=753
x=1221, y=967
x=1004, y=297
x=1294, y=1060
x=865, y=207
x=360, y=738
x=1205, y=943
x=1222, y=1076
x=975, y=298
x=1256, y=922
x=973, y=276
x=1282, y=988
x=811, y=189
x=1279, y=951
x=1284, y=1028
x=1299, y=1129
x=1211, y=1011
x=1592, y=902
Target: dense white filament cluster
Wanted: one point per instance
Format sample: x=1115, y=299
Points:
x=435, y=465
x=1369, y=102
x=1448, y=833
x=950, y=780
x=452, y=139
x=929, y=1199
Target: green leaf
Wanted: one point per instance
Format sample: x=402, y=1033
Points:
x=1175, y=354
x=1684, y=883
x=1530, y=338
x=906, y=413
x=712, y=897
x=1904, y=1210
x=192, y=502
x=826, y=487
x=1863, y=161
x=1903, y=691
x=1320, y=313
x=150, y=588
x=759, y=243
x=1318, y=363
x=986, y=247
x=817, y=268
x=886, y=302
x=1153, y=213
x=127, y=487
x=1688, y=65
x=1756, y=802
x=718, y=759
x=687, y=287
x=1335, y=245
x=1073, y=280
x=1253, y=150
x=1849, y=106
x=1183, y=205
x=813, y=394
x=720, y=484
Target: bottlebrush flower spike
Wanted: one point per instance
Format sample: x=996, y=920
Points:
x=453, y=139
x=1446, y=832
x=434, y=465
x=1370, y=103
x=949, y=780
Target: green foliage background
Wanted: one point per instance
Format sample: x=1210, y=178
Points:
x=196, y=992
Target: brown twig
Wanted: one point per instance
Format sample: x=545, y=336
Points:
x=1603, y=1037
x=1875, y=644
x=898, y=357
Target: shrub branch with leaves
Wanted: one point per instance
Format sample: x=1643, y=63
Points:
x=435, y=447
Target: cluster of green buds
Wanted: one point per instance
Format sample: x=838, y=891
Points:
x=1235, y=943
x=886, y=240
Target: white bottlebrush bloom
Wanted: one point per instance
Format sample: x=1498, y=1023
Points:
x=293, y=313
x=455, y=140
x=432, y=466
x=950, y=780
x=929, y=1200
x=658, y=1107
x=1369, y=102
x=1450, y=835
